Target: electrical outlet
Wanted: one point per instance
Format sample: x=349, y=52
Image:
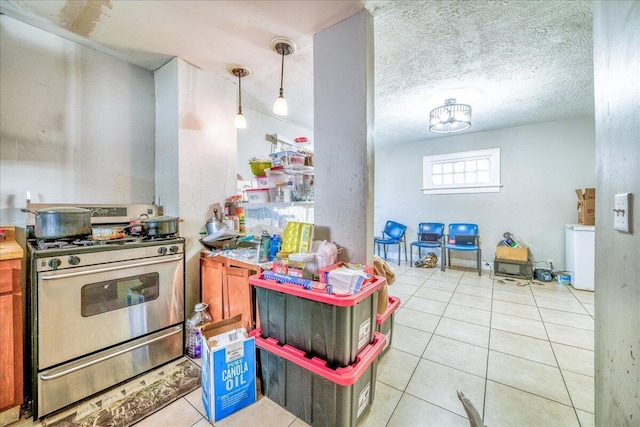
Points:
x=550, y=263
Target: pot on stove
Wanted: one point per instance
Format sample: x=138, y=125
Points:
x=61, y=222
x=160, y=225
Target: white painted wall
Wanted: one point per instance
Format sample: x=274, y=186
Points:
x=76, y=125
x=197, y=153
x=542, y=165
x=617, y=106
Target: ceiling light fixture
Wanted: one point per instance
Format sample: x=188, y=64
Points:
x=282, y=47
x=239, y=71
x=450, y=117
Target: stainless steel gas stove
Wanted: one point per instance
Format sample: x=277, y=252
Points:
x=101, y=312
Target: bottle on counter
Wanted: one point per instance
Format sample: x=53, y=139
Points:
x=274, y=246
x=240, y=215
x=264, y=247
x=199, y=317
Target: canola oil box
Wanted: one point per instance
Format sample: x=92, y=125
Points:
x=228, y=368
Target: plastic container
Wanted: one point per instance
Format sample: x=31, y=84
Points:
x=258, y=168
x=258, y=195
x=333, y=328
x=313, y=391
x=301, y=265
x=297, y=237
x=262, y=181
x=384, y=322
x=285, y=158
x=199, y=317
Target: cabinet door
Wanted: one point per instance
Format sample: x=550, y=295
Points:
x=7, y=377
x=10, y=334
x=211, y=285
x=238, y=295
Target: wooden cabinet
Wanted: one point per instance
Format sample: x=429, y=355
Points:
x=11, y=384
x=224, y=284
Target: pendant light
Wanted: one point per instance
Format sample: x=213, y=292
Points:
x=239, y=71
x=450, y=117
x=282, y=47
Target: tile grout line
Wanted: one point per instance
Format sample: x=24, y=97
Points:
x=425, y=348
x=420, y=357
x=564, y=381
x=486, y=373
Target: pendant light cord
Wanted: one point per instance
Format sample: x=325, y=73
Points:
x=239, y=93
x=282, y=71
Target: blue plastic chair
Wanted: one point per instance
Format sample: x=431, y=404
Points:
x=393, y=234
x=428, y=228
x=451, y=243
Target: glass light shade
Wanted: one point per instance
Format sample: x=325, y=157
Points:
x=280, y=106
x=449, y=118
x=240, y=122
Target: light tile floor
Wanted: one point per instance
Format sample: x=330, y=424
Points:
x=522, y=354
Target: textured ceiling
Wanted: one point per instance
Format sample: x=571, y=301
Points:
x=514, y=62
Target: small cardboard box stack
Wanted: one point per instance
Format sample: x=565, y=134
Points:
x=586, y=206
x=228, y=368
x=515, y=254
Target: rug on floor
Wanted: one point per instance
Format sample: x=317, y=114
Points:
x=130, y=402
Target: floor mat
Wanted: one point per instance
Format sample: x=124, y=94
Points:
x=130, y=402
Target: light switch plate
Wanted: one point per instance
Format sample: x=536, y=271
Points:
x=621, y=212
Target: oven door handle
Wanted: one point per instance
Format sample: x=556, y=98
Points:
x=45, y=377
x=102, y=270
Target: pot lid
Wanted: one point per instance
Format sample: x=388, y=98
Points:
x=65, y=209
x=160, y=218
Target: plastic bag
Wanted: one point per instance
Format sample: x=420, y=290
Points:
x=325, y=254
x=428, y=261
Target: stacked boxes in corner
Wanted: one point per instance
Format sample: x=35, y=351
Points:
x=228, y=368
x=315, y=392
x=333, y=328
x=318, y=351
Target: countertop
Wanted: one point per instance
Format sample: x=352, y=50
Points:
x=9, y=248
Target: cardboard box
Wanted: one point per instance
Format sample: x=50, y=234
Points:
x=228, y=368
x=586, y=206
x=516, y=254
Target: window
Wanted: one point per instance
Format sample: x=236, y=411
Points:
x=464, y=172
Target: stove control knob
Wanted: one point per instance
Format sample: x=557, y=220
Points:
x=54, y=263
x=74, y=260
x=173, y=249
x=162, y=250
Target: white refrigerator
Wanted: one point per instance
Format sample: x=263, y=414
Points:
x=581, y=255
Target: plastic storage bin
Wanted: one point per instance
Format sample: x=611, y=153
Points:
x=258, y=195
x=285, y=158
x=314, y=392
x=333, y=328
x=384, y=322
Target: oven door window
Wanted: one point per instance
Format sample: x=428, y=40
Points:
x=110, y=295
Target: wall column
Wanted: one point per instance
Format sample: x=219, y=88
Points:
x=343, y=58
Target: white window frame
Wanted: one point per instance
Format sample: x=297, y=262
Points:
x=492, y=186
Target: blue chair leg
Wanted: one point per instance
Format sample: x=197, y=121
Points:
x=405, y=248
x=479, y=262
